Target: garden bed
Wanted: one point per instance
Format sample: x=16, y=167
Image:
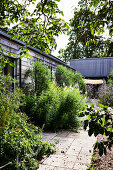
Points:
x=106, y=161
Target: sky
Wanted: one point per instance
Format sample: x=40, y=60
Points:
x=67, y=6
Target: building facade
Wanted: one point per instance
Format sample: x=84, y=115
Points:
x=95, y=72
x=18, y=72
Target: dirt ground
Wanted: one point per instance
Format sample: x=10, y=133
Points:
x=105, y=162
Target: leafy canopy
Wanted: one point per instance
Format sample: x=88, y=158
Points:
x=36, y=23
x=86, y=31
x=104, y=15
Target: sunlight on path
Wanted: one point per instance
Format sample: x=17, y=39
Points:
x=74, y=151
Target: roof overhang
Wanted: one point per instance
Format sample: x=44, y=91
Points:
x=92, y=81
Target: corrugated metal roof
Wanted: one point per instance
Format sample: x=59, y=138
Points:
x=93, y=67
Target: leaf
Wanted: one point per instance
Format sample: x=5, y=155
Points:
x=16, y=19
x=85, y=124
x=12, y=64
x=101, y=148
x=90, y=132
x=12, y=54
x=27, y=55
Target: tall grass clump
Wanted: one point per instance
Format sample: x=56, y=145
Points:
x=58, y=108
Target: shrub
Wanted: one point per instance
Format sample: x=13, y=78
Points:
x=8, y=100
x=80, y=81
x=20, y=142
x=29, y=103
x=66, y=77
x=40, y=76
x=41, y=107
x=72, y=102
x=57, y=108
x=63, y=76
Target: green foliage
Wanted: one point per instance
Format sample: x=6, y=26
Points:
x=40, y=76
x=7, y=100
x=47, y=107
x=37, y=27
x=56, y=108
x=100, y=121
x=63, y=76
x=88, y=20
x=66, y=77
x=104, y=16
x=82, y=44
x=3, y=60
x=80, y=81
x=20, y=142
x=10, y=11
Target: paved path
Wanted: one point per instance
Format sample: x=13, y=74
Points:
x=74, y=151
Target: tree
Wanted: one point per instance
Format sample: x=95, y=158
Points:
x=104, y=15
x=83, y=42
x=38, y=27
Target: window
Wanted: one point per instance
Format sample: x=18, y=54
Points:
x=14, y=72
x=50, y=67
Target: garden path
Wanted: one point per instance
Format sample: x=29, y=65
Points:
x=74, y=151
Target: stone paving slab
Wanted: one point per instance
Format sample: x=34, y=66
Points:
x=74, y=151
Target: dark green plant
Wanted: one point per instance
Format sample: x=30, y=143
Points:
x=71, y=103
x=55, y=108
x=29, y=103
x=38, y=27
x=40, y=76
x=80, y=81
x=100, y=121
x=20, y=141
x=66, y=77
x=62, y=76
